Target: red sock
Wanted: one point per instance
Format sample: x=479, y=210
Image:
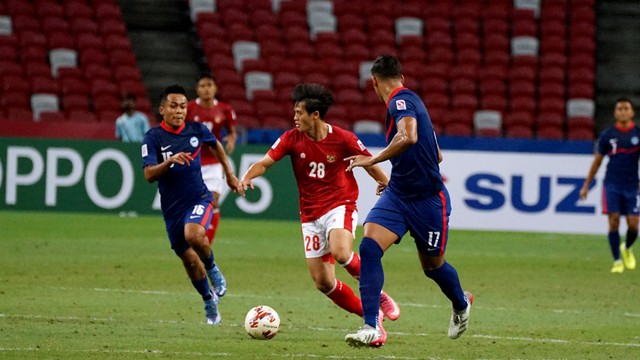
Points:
x=343, y=296
x=353, y=266
x=213, y=226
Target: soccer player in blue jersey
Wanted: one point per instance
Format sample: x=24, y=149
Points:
x=621, y=143
x=171, y=155
x=415, y=201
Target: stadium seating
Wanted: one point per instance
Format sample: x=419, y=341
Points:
x=525, y=59
x=59, y=49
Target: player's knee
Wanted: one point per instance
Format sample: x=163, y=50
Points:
x=341, y=255
x=370, y=249
x=324, y=286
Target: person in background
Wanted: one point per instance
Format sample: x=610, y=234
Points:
x=415, y=201
x=621, y=143
x=217, y=116
x=328, y=194
x=131, y=125
x=171, y=154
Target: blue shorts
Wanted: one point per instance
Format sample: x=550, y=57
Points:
x=199, y=213
x=426, y=219
x=616, y=200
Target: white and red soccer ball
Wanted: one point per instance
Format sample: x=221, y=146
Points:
x=262, y=322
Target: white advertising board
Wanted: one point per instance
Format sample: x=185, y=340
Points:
x=533, y=192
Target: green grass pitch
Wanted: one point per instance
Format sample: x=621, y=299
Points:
x=76, y=286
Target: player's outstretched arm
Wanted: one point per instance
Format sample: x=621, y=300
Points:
x=153, y=172
x=406, y=136
x=256, y=169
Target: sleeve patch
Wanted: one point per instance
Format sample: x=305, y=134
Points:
x=401, y=105
x=275, y=144
x=144, y=150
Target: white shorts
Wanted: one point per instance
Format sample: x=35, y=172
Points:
x=315, y=234
x=212, y=176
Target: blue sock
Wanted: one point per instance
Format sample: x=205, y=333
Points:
x=632, y=235
x=203, y=288
x=371, y=279
x=614, y=244
x=209, y=262
x=447, y=278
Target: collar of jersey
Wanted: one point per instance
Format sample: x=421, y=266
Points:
x=393, y=93
x=628, y=128
x=167, y=128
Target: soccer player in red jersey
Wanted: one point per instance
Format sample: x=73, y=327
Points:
x=216, y=116
x=328, y=193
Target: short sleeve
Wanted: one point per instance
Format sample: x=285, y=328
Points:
x=207, y=136
x=148, y=150
x=280, y=147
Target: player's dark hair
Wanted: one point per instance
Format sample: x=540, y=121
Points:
x=207, y=77
x=172, y=89
x=623, y=99
x=314, y=96
x=386, y=67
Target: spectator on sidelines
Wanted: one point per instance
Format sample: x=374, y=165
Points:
x=131, y=125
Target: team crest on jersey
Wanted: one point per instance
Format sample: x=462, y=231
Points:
x=303, y=155
x=634, y=140
x=194, y=141
x=218, y=119
x=196, y=118
x=401, y=105
x=331, y=158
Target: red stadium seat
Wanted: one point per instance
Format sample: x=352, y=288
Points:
x=15, y=99
x=83, y=25
x=82, y=116
x=52, y=116
x=73, y=102
x=19, y=113
x=78, y=10
x=581, y=134
x=550, y=133
x=105, y=10
x=519, y=132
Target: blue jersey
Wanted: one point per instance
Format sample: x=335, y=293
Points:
x=415, y=172
x=623, y=149
x=182, y=185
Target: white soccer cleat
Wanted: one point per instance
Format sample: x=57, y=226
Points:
x=389, y=307
x=460, y=320
x=211, y=310
x=368, y=336
x=218, y=281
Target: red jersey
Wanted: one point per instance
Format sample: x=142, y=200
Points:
x=217, y=117
x=319, y=169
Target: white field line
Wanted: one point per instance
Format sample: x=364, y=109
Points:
x=481, y=336
x=183, y=354
x=395, y=333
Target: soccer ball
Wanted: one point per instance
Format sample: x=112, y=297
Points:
x=262, y=322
